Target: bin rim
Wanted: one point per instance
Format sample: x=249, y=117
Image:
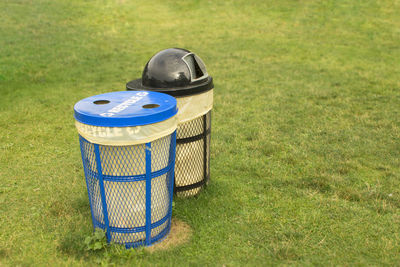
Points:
x=125, y=109
x=192, y=89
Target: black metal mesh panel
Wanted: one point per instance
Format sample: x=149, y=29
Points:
x=192, y=163
x=208, y=150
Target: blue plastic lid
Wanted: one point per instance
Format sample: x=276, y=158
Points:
x=125, y=108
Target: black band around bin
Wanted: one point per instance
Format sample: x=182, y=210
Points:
x=192, y=89
x=191, y=186
x=194, y=138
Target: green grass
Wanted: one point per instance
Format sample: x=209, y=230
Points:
x=305, y=138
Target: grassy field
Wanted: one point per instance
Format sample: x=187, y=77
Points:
x=305, y=138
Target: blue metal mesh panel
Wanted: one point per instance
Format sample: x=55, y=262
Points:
x=137, y=204
x=159, y=231
x=123, y=160
x=92, y=182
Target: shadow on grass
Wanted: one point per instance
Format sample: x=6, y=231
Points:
x=4, y=253
x=75, y=206
x=286, y=253
x=73, y=245
x=193, y=210
x=379, y=202
x=72, y=242
x=217, y=200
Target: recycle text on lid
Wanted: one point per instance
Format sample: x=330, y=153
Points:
x=132, y=100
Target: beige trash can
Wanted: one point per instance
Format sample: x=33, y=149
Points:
x=182, y=74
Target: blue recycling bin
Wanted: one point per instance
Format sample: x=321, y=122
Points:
x=127, y=142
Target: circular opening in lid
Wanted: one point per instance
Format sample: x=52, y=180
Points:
x=150, y=106
x=101, y=102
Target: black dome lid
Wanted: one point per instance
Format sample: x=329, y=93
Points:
x=174, y=71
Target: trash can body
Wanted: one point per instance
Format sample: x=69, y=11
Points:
x=128, y=152
x=182, y=74
x=192, y=163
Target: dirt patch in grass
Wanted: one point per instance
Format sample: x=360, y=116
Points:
x=180, y=234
